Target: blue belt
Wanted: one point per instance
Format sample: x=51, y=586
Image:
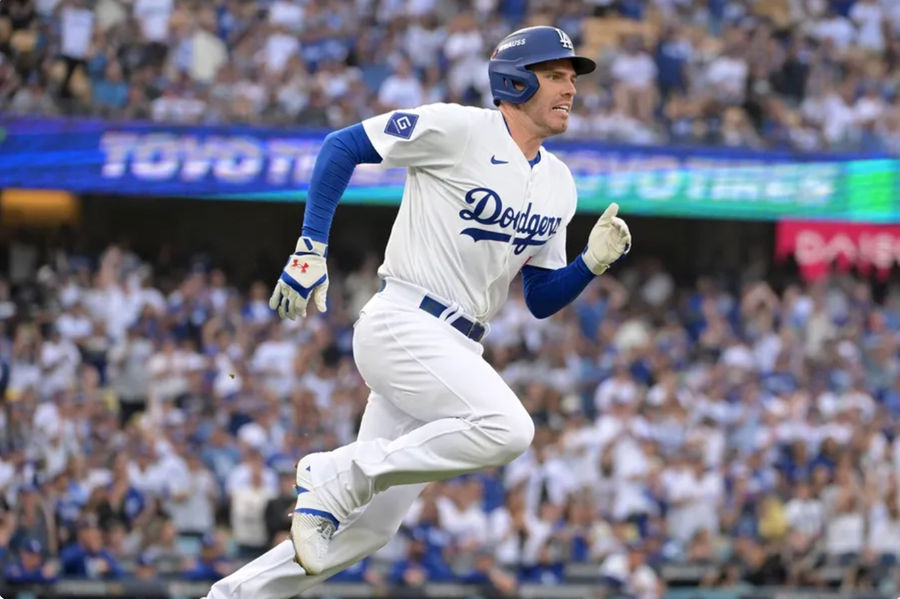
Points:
x=472, y=330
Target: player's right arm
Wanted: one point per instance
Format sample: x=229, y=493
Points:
x=434, y=135
x=305, y=272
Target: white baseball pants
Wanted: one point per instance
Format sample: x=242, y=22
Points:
x=436, y=410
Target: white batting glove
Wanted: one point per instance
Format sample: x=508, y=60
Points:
x=304, y=274
x=609, y=240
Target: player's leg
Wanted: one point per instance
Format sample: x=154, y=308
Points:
x=372, y=525
x=436, y=375
x=275, y=574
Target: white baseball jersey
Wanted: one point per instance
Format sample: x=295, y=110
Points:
x=474, y=210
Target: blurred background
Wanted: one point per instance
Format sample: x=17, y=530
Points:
x=718, y=417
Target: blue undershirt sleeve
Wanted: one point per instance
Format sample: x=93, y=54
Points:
x=548, y=291
x=340, y=153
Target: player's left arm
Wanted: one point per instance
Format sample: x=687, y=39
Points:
x=548, y=290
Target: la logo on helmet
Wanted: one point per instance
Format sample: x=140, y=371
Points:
x=564, y=40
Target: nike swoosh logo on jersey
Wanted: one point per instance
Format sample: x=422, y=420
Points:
x=495, y=161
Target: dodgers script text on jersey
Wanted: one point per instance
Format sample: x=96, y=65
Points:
x=464, y=169
x=488, y=209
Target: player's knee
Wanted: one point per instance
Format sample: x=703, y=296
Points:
x=515, y=433
x=523, y=435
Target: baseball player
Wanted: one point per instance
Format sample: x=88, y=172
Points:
x=483, y=202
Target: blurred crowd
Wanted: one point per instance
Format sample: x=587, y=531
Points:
x=152, y=418
x=782, y=74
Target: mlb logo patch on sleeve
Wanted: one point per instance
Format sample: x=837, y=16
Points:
x=401, y=124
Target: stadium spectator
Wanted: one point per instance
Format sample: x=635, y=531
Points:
x=280, y=508
x=629, y=573
x=87, y=558
x=421, y=565
x=31, y=568
x=161, y=547
x=212, y=564
x=249, y=492
x=192, y=497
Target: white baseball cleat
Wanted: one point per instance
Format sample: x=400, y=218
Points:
x=312, y=525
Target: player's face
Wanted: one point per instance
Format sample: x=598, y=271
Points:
x=549, y=107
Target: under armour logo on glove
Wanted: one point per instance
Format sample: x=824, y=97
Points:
x=300, y=278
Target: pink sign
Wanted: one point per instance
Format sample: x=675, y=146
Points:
x=816, y=246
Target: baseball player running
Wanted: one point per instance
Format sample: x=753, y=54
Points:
x=483, y=201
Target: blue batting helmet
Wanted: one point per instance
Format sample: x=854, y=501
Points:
x=524, y=48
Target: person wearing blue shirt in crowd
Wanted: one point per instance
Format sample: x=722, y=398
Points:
x=145, y=568
x=220, y=454
x=420, y=566
x=32, y=522
x=360, y=572
x=87, y=558
x=212, y=564
x=121, y=500
x=30, y=567
x=71, y=496
x=493, y=491
x=434, y=537
x=548, y=570
x=486, y=572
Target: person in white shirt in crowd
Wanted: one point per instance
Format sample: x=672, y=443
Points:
x=242, y=474
x=146, y=472
x=835, y=29
x=169, y=368
x=462, y=514
x=128, y=360
x=634, y=73
x=74, y=323
x=883, y=527
x=401, y=89
x=618, y=387
x=59, y=363
x=281, y=44
x=77, y=31
x=694, y=495
x=154, y=18
x=464, y=46
x=805, y=514
x=727, y=73
x=56, y=445
x=191, y=498
x=274, y=361
x=845, y=529
x=248, y=501
x=543, y=473
x=629, y=572
x=506, y=526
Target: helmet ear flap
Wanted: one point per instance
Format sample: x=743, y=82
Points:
x=504, y=78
